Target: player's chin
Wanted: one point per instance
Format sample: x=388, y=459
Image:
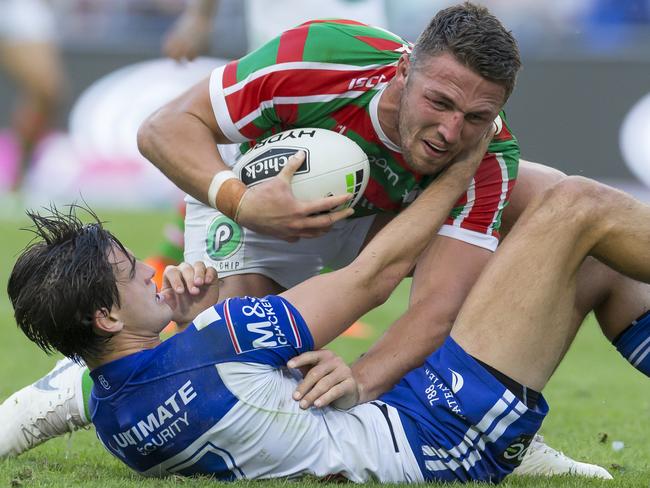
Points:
x=426, y=166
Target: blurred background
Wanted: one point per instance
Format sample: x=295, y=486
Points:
x=78, y=76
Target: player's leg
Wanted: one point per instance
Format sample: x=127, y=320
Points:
x=618, y=301
x=36, y=68
x=52, y=406
x=516, y=325
x=518, y=318
x=623, y=314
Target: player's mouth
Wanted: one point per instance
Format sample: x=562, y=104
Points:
x=434, y=150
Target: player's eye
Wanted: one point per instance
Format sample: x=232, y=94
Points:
x=475, y=118
x=440, y=105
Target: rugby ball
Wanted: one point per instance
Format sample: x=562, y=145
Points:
x=334, y=164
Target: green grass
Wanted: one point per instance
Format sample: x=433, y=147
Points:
x=595, y=397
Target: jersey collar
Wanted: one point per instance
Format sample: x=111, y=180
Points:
x=374, y=117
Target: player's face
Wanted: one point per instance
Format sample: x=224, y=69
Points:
x=445, y=107
x=141, y=308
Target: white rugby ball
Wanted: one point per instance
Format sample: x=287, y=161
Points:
x=334, y=164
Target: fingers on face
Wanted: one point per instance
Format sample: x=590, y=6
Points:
x=187, y=277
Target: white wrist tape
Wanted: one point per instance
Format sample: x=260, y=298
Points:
x=215, y=185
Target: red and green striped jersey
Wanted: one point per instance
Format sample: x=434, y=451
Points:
x=330, y=74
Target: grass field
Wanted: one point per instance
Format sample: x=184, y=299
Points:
x=595, y=397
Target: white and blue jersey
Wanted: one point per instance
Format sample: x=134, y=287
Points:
x=217, y=399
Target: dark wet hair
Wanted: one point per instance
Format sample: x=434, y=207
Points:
x=61, y=279
x=476, y=38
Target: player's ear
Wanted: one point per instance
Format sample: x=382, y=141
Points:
x=403, y=69
x=107, y=323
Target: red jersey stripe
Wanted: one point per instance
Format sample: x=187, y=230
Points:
x=488, y=195
x=376, y=195
x=334, y=21
x=380, y=43
x=292, y=45
x=294, y=83
x=231, y=329
x=230, y=74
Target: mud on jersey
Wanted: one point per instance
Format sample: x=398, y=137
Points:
x=331, y=74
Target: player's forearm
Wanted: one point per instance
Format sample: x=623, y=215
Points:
x=183, y=148
x=393, y=251
x=402, y=348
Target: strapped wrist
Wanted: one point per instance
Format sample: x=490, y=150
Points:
x=225, y=192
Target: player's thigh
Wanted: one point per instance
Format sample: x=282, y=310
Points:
x=532, y=180
x=520, y=314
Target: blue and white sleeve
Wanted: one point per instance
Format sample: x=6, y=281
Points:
x=265, y=330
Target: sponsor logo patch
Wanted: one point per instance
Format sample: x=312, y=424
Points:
x=257, y=326
x=516, y=451
x=457, y=381
x=269, y=163
x=224, y=238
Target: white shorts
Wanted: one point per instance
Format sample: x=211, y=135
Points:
x=218, y=241
x=27, y=21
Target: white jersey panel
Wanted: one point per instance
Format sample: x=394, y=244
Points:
x=269, y=436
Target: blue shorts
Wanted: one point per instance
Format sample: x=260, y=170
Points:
x=461, y=422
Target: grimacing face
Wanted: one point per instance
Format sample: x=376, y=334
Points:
x=445, y=107
x=142, y=309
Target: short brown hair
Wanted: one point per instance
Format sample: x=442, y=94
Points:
x=476, y=38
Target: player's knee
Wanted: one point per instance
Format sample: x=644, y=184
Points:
x=576, y=200
x=532, y=181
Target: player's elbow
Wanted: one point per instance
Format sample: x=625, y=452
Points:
x=150, y=133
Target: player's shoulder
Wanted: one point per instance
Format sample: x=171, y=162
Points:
x=333, y=37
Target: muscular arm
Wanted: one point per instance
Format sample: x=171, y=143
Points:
x=181, y=140
x=443, y=277
x=330, y=302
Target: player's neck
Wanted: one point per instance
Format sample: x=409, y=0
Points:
x=388, y=112
x=124, y=344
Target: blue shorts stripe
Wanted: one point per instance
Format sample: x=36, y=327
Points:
x=462, y=419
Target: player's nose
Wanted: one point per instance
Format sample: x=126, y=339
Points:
x=451, y=126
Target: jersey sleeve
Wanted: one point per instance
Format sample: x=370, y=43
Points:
x=476, y=217
x=265, y=330
x=301, y=76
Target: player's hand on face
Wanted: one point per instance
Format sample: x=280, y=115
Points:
x=468, y=160
x=270, y=208
x=188, y=289
x=327, y=380
x=188, y=278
